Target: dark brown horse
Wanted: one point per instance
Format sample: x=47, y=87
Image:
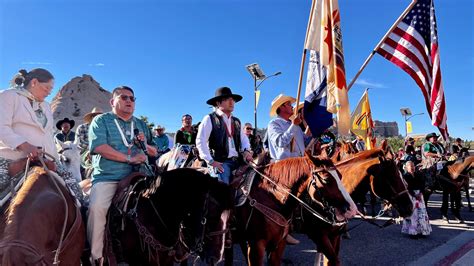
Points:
x=364, y=171
x=186, y=213
x=35, y=223
x=263, y=221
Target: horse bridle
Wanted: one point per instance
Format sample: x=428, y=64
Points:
x=323, y=203
x=180, y=239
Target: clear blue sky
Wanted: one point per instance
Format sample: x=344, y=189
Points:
x=174, y=53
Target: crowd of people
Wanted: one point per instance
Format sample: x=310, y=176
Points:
x=115, y=144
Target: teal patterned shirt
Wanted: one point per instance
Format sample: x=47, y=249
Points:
x=103, y=130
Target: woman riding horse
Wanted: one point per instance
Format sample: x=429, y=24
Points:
x=27, y=127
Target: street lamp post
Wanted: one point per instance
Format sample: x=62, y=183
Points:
x=257, y=74
x=407, y=112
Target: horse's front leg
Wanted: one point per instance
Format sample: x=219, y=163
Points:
x=256, y=253
x=325, y=245
x=466, y=189
x=276, y=255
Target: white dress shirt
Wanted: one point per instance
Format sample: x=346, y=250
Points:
x=204, y=131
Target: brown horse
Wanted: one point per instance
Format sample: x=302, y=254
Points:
x=186, y=212
x=264, y=220
x=364, y=171
x=43, y=226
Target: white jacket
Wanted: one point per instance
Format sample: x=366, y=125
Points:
x=18, y=123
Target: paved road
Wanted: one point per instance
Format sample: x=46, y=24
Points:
x=373, y=246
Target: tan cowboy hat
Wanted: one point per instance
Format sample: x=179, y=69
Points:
x=278, y=101
x=95, y=111
x=158, y=127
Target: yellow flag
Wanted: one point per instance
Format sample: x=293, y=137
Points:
x=409, y=128
x=362, y=124
x=257, y=97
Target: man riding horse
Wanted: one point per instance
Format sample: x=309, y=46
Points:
x=112, y=139
x=219, y=139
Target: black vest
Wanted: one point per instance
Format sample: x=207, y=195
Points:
x=218, y=144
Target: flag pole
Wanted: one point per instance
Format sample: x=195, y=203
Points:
x=380, y=43
x=303, y=59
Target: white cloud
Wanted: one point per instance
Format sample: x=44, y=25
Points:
x=369, y=84
x=97, y=65
x=36, y=63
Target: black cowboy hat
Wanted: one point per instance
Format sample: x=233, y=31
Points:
x=223, y=92
x=65, y=120
x=432, y=134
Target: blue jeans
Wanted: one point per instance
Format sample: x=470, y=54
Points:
x=229, y=165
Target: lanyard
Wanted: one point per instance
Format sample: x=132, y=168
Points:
x=124, y=139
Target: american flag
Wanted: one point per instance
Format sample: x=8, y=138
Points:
x=413, y=46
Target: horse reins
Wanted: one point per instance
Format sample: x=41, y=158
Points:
x=304, y=204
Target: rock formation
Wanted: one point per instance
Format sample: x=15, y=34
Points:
x=386, y=129
x=78, y=97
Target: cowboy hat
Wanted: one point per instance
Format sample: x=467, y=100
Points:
x=95, y=111
x=158, y=127
x=432, y=134
x=65, y=120
x=278, y=101
x=223, y=92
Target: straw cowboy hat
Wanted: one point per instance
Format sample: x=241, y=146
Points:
x=95, y=111
x=65, y=120
x=223, y=92
x=158, y=127
x=278, y=101
x=432, y=134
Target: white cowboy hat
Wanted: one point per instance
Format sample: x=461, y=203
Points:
x=278, y=101
x=95, y=111
x=158, y=127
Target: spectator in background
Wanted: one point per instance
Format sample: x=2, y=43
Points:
x=418, y=224
x=161, y=140
x=457, y=148
x=65, y=133
x=255, y=140
x=186, y=135
x=82, y=131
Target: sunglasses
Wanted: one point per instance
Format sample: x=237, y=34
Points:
x=126, y=97
x=248, y=128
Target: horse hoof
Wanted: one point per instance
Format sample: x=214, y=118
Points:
x=445, y=218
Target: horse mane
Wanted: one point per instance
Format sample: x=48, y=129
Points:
x=289, y=172
x=21, y=196
x=361, y=156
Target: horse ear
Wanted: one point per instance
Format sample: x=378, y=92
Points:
x=384, y=145
x=381, y=158
x=316, y=161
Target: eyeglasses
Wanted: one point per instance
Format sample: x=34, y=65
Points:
x=126, y=97
x=248, y=128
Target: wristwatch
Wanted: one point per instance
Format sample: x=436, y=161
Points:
x=211, y=161
x=129, y=158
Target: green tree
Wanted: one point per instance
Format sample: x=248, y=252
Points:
x=149, y=124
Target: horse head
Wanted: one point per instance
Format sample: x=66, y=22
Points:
x=196, y=209
x=327, y=191
x=219, y=206
x=387, y=183
x=70, y=155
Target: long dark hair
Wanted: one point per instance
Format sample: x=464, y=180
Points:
x=23, y=78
